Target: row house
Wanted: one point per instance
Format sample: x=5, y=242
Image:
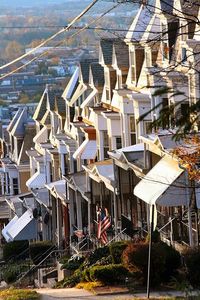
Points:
x=17, y=138
x=89, y=151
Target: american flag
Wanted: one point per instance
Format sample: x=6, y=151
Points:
x=103, y=224
x=79, y=233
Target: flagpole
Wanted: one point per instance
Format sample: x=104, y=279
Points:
x=150, y=248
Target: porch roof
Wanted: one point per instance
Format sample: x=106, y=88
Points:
x=7, y=227
x=102, y=171
x=78, y=181
x=23, y=228
x=132, y=156
x=58, y=189
x=157, y=183
x=37, y=181
x=87, y=150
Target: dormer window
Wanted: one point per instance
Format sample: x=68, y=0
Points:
x=184, y=55
x=132, y=130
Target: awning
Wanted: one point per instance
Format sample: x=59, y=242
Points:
x=58, y=189
x=7, y=227
x=102, y=171
x=89, y=98
x=158, y=180
x=87, y=150
x=37, y=181
x=24, y=228
x=79, y=91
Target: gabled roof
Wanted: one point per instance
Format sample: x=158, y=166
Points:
x=41, y=108
x=140, y=23
x=97, y=73
x=71, y=86
x=28, y=143
x=14, y=120
x=52, y=95
x=120, y=49
x=84, y=69
x=19, y=127
x=60, y=106
x=167, y=6
x=106, y=49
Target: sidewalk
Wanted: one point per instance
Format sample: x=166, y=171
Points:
x=78, y=294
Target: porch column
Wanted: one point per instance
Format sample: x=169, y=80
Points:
x=59, y=224
x=126, y=133
x=79, y=212
x=89, y=217
x=62, y=164
x=115, y=197
x=71, y=209
x=53, y=219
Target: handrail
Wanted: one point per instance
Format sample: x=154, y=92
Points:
x=41, y=262
x=113, y=239
x=40, y=255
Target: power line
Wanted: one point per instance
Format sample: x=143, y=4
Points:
x=60, y=43
x=51, y=37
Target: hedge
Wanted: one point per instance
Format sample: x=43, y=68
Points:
x=164, y=261
x=96, y=255
x=109, y=274
x=116, y=250
x=39, y=250
x=192, y=261
x=16, y=250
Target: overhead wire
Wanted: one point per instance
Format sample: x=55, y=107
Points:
x=51, y=37
x=60, y=43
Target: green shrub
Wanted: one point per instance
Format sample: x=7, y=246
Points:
x=70, y=281
x=15, y=249
x=192, y=261
x=85, y=275
x=73, y=263
x=104, y=261
x=39, y=250
x=108, y=274
x=116, y=250
x=10, y=272
x=96, y=255
x=164, y=261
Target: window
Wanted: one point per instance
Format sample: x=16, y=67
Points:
x=165, y=48
x=118, y=142
x=165, y=110
x=75, y=166
x=105, y=143
x=147, y=127
x=15, y=186
x=184, y=55
x=132, y=130
x=66, y=164
x=107, y=94
x=132, y=59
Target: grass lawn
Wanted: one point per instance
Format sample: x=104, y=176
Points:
x=18, y=294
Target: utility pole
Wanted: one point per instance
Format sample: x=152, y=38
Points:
x=150, y=248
